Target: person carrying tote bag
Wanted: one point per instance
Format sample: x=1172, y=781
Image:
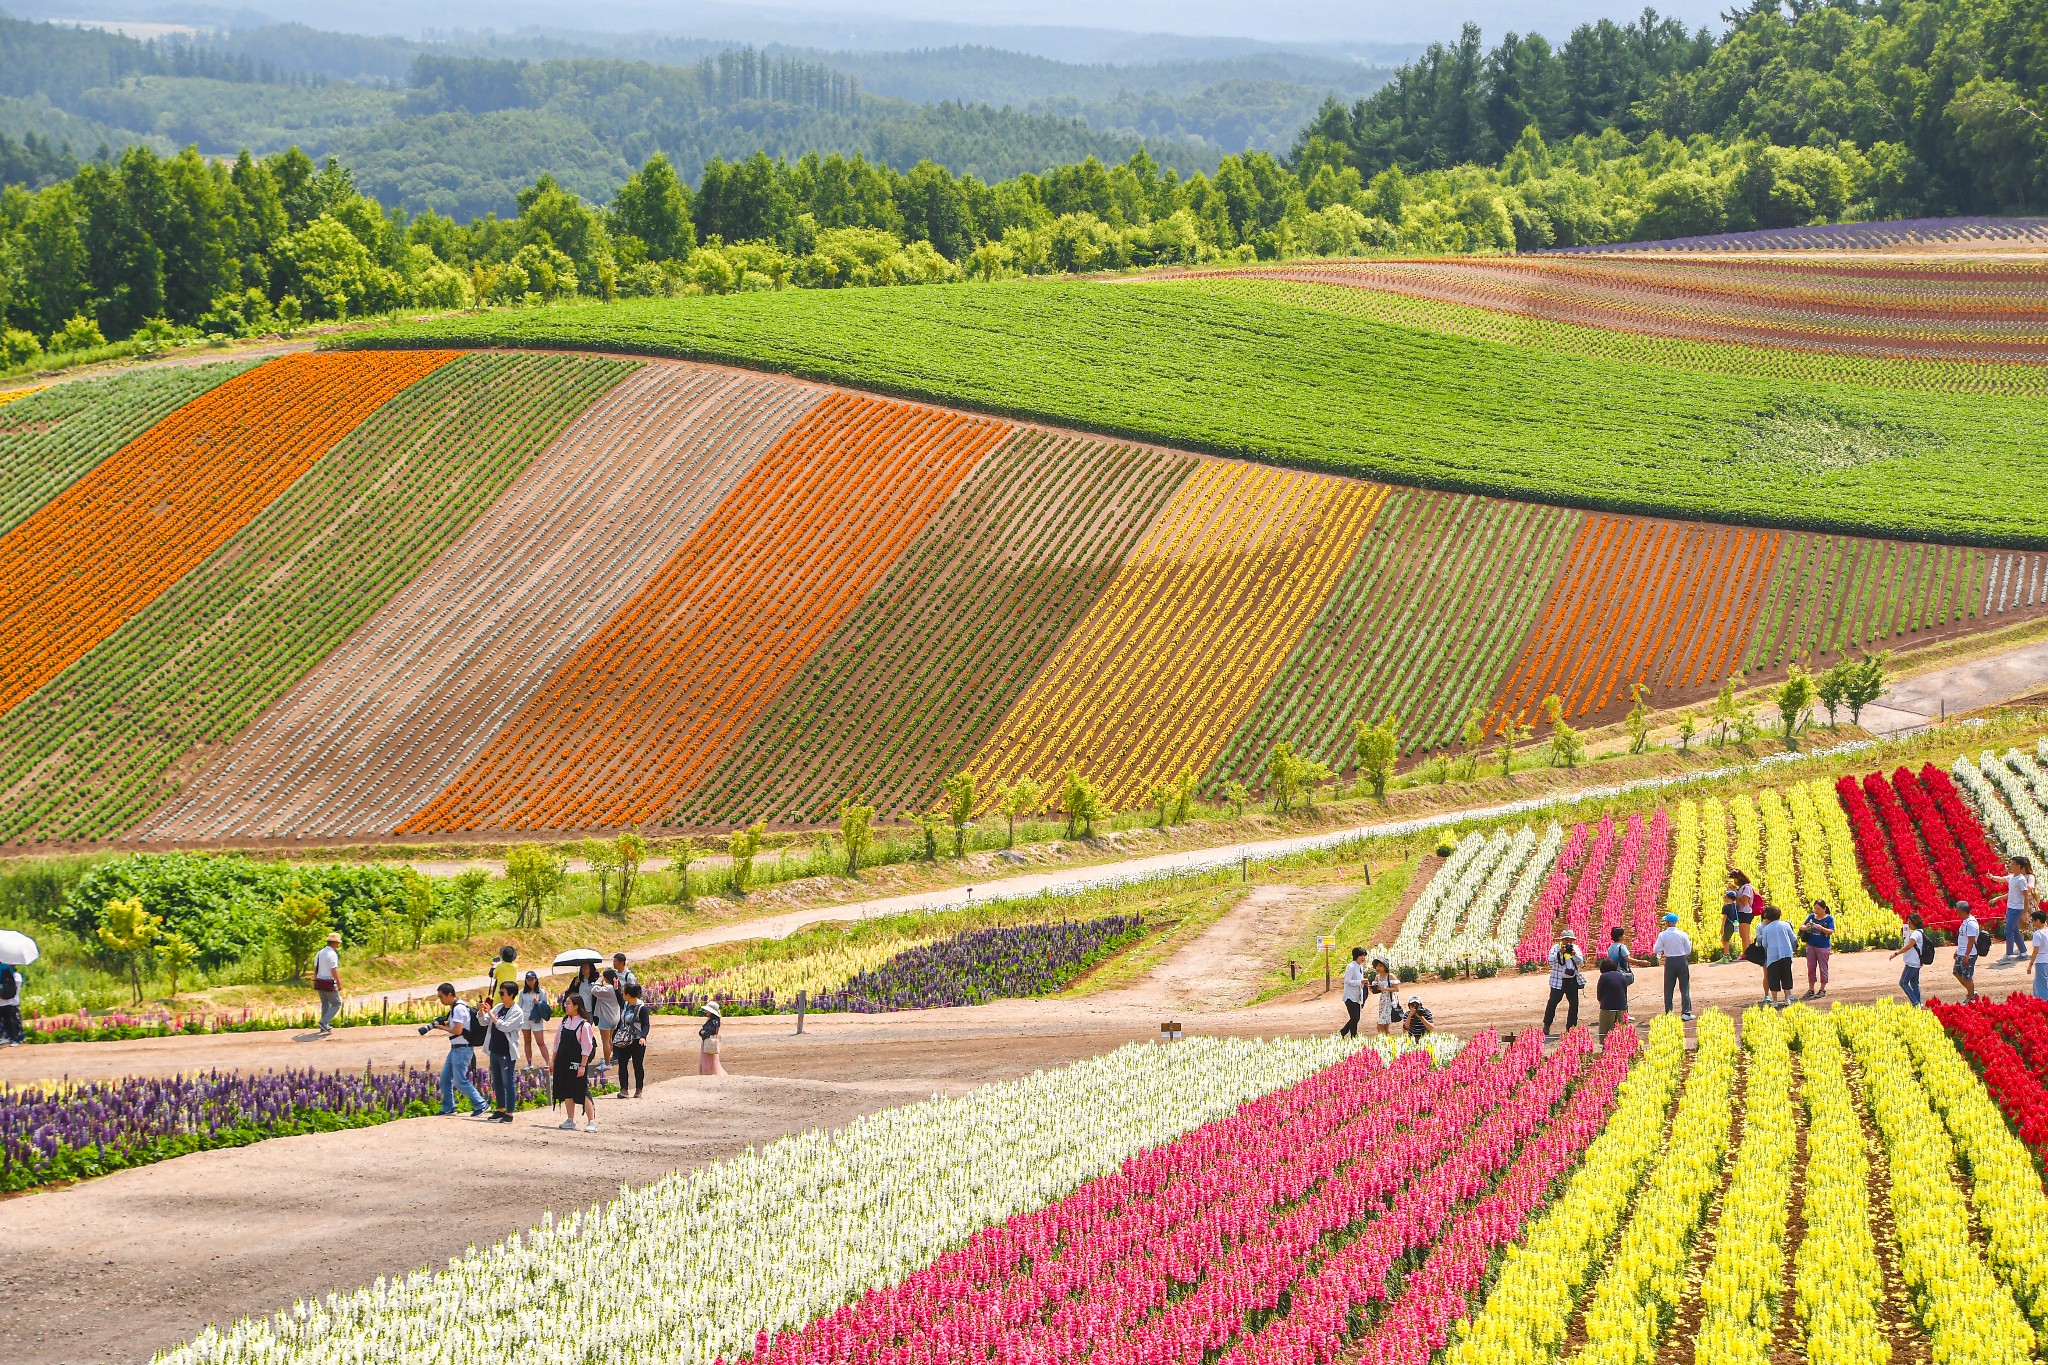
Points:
x=707, y=1041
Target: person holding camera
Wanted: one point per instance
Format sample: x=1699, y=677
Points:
x=508, y=1021
x=459, y=1024
x=629, y=1041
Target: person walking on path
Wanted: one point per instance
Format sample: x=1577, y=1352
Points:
x=1780, y=946
x=1354, y=993
x=1612, y=988
x=707, y=1041
x=327, y=981
x=2020, y=898
x=629, y=1041
x=533, y=1004
x=1738, y=911
x=1565, y=979
x=1674, y=949
x=461, y=1054
x=2037, y=960
x=575, y=1046
x=1381, y=983
x=604, y=1010
x=1968, y=950
x=626, y=977
x=13, y=985
x=1913, y=946
x=1819, y=935
x=508, y=1025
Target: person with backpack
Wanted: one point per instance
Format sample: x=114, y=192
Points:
x=1740, y=905
x=327, y=982
x=605, y=1004
x=575, y=1052
x=507, y=1022
x=1780, y=945
x=534, y=1032
x=1564, y=983
x=13, y=986
x=629, y=1041
x=1382, y=982
x=1916, y=949
x=1616, y=976
x=464, y=1032
x=1970, y=945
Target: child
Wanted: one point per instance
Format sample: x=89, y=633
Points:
x=1419, y=1018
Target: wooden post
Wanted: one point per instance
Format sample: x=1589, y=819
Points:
x=1368, y=872
x=803, y=1001
x=1292, y=973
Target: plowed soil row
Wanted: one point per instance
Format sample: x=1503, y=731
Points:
x=1832, y=594
x=1935, y=313
x=90, y=752
x=104, y=548
x=1170, y=659
x=394, y=715
x=648, y=706
x=1666, y=604
x=1424, y=621
x=917, y=679
x=51, y=437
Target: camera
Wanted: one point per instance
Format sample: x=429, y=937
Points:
x=425, y=1029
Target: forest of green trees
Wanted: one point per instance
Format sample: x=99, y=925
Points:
x=1828, y=110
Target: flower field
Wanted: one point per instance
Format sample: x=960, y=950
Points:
x=1164, y=666
x=101, y=550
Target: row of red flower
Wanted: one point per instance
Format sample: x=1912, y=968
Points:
x=2009, y=1044
x=1892, y=820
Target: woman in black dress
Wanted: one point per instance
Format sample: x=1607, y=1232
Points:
x=575, y=1045
x=707, y=1041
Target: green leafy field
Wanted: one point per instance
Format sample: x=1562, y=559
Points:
x=1316, y=390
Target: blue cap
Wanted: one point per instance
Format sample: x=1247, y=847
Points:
x=1670, y=919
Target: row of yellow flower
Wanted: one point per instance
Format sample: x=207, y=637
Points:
x=1746, y=1281
x=1525, y=1316
x=1795, y=843
x=1968, y=1314
x=1638, y=1297
x=1838, y=1282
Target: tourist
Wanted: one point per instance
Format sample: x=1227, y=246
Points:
x=1383, y=984
x=1780, y=946
x=1617, y=948
x=575, y=1045
x=604, y=1010
x=461, y=1054
x=504, y=968
x=13, y=985
x=327, y=981
x=508, y=1023
x=2037, y=962
x=1968, y=950
x=2019, y=899
x=707, y=1041
x=1674, y=949
x=1915, y=949
x=1564, y=962
x=1420, y=1021
x=1612, y=990
x=1738, y=911
x=1354, y=993
x=1819, y=935
x=629, y=1041
x=626, y=977
x=533, y=1034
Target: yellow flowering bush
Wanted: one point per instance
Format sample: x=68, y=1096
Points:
x=1838, y=1283
x=1746, y=1281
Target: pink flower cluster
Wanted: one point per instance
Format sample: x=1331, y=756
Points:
x=1579, y=914
x=1199, y=1246
x=1644, y=917
x=1614, y=907
x=1550, y=901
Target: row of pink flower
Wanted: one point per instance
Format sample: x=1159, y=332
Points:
x=1242, y=1209
x=1645, y=917
x=1551, y=900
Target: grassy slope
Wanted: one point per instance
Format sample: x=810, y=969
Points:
x=1247, y=377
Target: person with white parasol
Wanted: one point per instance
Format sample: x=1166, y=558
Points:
x=16, y=951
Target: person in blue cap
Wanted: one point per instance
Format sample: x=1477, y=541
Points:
x=1674, y=947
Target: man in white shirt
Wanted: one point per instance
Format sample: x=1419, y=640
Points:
x=1674, y=946
x=1354, y=993
x=461, y=1055
x=1965, y=969
x=2019, y=899
x=327, y=981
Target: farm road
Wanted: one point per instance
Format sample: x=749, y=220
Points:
x=1920, y=700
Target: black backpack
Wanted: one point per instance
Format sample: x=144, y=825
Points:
x=10, y=983
x=479, y=1030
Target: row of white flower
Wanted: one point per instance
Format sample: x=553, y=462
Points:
x=2010, y=795
x=1472, y=911
x=690, y=1267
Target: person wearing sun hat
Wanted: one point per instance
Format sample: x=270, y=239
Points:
x=327, y=981
x=1674, y=947
x=1564, y=959
x=707, y=1040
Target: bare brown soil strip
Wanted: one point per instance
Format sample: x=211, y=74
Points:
x=1681, y=1337
x=1788, y=1343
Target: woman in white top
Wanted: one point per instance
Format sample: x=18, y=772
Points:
x=533, y=1034
x=2037, y=959
x=604, y=1010
x=2019, y=899
x=1383, y=984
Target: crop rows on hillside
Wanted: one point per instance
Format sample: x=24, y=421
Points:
x=1950, y=312
x=1167, y=362
x=1422, y=625
x=1831, y=594
x=1663, y=604
x=50, y=437
x=650, y=704
x=104, y=548
x=88, y=753
x=912, y=684
x=1173, y=654
x=1635, y=348
x=397, y=713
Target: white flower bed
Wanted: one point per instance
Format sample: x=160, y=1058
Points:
x=689, y=1268
x=1983, y=787
x=1471, y=913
